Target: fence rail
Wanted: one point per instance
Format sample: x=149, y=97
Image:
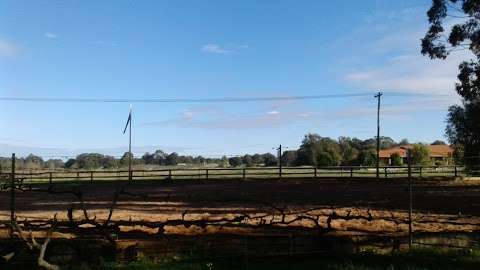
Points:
x=237, y=173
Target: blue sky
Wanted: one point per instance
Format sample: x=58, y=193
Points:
x=214, y=49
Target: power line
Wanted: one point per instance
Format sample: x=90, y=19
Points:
x=179, y=100
x=197, y=100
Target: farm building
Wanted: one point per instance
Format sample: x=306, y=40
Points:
x=438, y=154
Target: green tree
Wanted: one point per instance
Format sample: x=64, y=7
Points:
x=396, y=159
x=33, y=162
x=171, y=159
x=348, y=151
x=247, y=160
x=319, y=151
x=367, y=158
x=235, y=161
x=289, y=158
x=420, y=154
x=257, y=159
x=70, y=163
x=270, y=160
x=224, y=162
x=463, y=121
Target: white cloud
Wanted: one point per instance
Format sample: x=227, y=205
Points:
x=215, y=48
x=187, y=114
x=50, y=35
x=273, y=112
x=411, y=73
x=7, y=49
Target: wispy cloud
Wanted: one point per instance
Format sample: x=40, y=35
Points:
x=398, y=64
x=410, y=73
x=273, y=112
x=215, y=48
x=219, y=49
x=216, y=118
x=7, y=49
x=50, y=35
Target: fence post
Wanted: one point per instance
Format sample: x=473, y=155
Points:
x=351, y=172
x=91, y=177
x=315, y=172
x=12, y=192
x=245, y=172
x=410, y=204
x=456, y=174
x=386, y=174
x=78, y=175
x=421, y=171
x=50, y=179
x=206, y=174
x=170, y=174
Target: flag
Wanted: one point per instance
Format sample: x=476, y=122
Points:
x=128, y=120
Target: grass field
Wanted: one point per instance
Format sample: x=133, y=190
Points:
x=417, y=259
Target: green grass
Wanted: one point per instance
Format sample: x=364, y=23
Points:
x=417, y=259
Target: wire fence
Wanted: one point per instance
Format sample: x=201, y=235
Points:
x=244, y=173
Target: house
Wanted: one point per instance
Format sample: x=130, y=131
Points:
x=438, y=154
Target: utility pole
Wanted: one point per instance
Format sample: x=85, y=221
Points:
x=279, y=154
x=378, y=96
x=279, y=149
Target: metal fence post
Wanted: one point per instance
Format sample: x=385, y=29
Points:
x=91, y=177
x=315, y=172
x=170, y=174
x=50, y=178
x=456, y=173
x=386, y=174
x=351, y=172
x=12, y=191
x=244, y=173
x=421, y=171
x=410, y=204
x=206, y=174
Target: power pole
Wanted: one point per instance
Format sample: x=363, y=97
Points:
x=378, y=96
x=280, y=161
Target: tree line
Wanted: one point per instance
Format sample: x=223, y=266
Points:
x=314, y=150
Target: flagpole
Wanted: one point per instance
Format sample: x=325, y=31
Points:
x=130, y=146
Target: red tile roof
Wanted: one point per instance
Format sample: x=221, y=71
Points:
x=435, y=151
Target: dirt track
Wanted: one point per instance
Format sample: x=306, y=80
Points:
x=380, y=205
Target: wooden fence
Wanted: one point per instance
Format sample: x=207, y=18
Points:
x=235, y=173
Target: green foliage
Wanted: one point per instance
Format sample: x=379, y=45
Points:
x=396, y=159
x=367, y=158
x=235, y=161
x=319, y=151
x=463, y=122
x=270, y=160
x=420, y=154
x=417, y=259
x=289, y=158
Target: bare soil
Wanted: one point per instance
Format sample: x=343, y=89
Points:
x=354, y=206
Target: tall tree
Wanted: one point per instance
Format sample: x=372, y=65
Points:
x=463, y=122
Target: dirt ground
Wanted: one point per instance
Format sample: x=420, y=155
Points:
x=351, y=206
